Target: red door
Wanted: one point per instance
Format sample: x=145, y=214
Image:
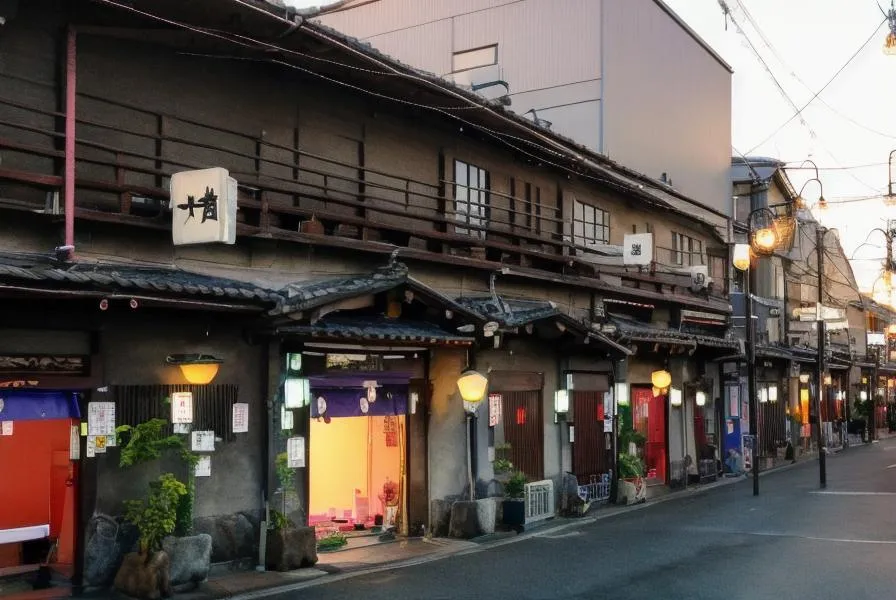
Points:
x=650, y=420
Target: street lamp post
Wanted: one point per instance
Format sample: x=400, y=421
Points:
x=819, y=249
x=742, y=263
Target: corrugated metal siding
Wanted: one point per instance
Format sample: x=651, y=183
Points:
x=667, y=102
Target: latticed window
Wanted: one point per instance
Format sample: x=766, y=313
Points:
x=590, y=225
x=686, y=250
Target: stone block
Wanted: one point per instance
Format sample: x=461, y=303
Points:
x=464, y=520
x=486, y=514
x=144, y=579
x=233, y=536
x=440, y=515
x=190, y=559
x=291, y=548
x=106, y=546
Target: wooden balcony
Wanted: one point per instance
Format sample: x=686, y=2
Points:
x=125, y=155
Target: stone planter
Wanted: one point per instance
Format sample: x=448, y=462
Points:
x=632, y=490
x=291, y=548
x=190, y=560
x=145, y=579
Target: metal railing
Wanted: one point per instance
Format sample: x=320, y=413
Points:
x=597, y=490
x=539, y=498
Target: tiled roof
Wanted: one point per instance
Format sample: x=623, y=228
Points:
x=637, y=332
x=511, y=313
x=377, y=329
x=303, y=295
x=22, y=269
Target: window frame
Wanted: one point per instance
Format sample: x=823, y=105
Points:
x=682, y=245
x=466, y=196
x=582, y=227
x=471, y=51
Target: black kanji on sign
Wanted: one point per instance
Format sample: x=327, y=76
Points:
x=208, y=203
x=636, y=249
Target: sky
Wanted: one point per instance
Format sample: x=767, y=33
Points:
x=783, y=53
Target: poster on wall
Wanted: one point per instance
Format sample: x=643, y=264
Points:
x=733, y=400
x=99, y=444
x=202, y=441
x=182, y=407
x=204, y=466
x=240, y=417
x=494, y=409
x=295, y=452
x=100, y=418
x=608, y=423
x=390, y=431
x=6, y=428
x=91, y=446
x=74, y=443
x=286, y=419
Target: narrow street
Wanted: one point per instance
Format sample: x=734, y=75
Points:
x=791, y=541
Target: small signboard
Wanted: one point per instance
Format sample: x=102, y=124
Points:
x=240, y=417
x=203, y=207
x=6, y=428
x=202, y=441
x=204, y=466
x=494, y=409
x=637, y=249
x=182, y=407
x=295, y=452
x=100, y=418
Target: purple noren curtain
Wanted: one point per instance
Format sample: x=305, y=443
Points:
x=345, y=395
x=38, y=405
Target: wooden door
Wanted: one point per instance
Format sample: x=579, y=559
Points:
x=589, y=450
x=650, y=420
x=524, y=431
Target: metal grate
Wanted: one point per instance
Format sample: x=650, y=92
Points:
x=212, y=405
x=524, y=431
x=539, y=500
x=590, y=456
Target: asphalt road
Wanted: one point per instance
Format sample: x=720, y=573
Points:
x=789, y=542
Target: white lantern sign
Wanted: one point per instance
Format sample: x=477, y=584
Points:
x=637, y=249
x=203, y=207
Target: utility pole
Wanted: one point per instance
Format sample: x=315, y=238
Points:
x=751, y=380
x=819, y=249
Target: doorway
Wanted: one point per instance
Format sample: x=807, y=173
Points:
x=357, y=454
x=590, y=456
x=649, y=417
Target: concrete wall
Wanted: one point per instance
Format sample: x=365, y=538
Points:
x=447, y=433
x=134, y=351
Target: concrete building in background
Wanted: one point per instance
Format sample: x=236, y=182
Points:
x=626, y=78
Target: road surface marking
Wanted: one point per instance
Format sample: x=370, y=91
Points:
x=846, y=493
x=891, y=467
x=558, y=536
x=820, y=539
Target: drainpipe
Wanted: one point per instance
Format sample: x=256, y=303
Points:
x=70, y=118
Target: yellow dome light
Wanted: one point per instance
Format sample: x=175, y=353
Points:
x=472, y=386
x=198, y=369
x=661, y=379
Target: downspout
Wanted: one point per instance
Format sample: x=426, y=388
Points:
x=70, y=119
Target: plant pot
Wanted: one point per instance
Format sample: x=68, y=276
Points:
x=632, y=490
x=145, y=579
x=291, y=548
x=514, y=512
x=190, y=560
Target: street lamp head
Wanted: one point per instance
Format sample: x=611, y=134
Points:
x=740, y=257
x=765, y=240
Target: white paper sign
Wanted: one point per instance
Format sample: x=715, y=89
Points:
x=203, y=204
x=182, y=428
x=100, y=418
x=99, y=444
x=494, y=409
x=203, y=441
x=91, y=446
x=286, y=420
x=6, y=428
x=608, y=424
x=637, y=249
x=111, y=440
x=241, y=417
x=204, y=466
x=182, y=407
x=295, y=452
x=74, y=443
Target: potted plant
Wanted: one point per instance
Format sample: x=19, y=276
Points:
x=145, y=573
x=502, y=466
x=631, y=489
x=514, y=505
x=289, y=547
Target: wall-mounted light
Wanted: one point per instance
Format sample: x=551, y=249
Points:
x=296, y=392
x=700, y=398
x=675, y=397
x=827, y=379
x=772, y=393
x=561, y=401
x=763, y=395
x=198, y=369
x=740, y=257
x=621, y=391
x=472, y=385
x=804, y=378
x=863, y=395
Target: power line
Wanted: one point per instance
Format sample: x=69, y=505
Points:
x=823, y=88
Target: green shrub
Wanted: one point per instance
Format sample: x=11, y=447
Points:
x=156, y=516
x=516, y=485
x=630, y=466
